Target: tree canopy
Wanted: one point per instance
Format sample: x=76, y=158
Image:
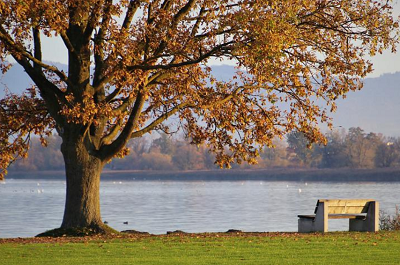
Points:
x=135, y=64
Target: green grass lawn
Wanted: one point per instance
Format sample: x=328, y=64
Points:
x=268, y=248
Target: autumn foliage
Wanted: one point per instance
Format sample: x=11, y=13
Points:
x=150, y=58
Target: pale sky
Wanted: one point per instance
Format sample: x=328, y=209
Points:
x=54, y=51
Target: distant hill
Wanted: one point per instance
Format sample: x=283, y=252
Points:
x=376, y=108
x=15, y=80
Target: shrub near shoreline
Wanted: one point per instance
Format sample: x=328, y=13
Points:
x=389, y=222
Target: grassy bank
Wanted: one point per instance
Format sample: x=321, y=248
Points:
x=262, y=248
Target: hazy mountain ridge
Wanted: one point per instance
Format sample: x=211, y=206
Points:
x=375, y=108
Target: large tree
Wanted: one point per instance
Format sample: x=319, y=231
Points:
x=133, y=65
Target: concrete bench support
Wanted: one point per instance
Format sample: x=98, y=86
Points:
x=371, y=221
x=317, y=222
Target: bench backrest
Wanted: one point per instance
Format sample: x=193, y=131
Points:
x=345, y=206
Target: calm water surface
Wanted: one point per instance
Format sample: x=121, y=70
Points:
x=28, y=207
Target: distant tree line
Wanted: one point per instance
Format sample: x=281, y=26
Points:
x=352, y=148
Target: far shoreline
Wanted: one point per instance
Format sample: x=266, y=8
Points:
x=272, y=174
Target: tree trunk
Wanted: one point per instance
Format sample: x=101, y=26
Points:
x=82, y=205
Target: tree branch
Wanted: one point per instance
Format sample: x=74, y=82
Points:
x=166, y=4
x=183, y=12
x=98, y=51
x=21, y=56
x=159, y=120
x=197, y=23
x=49, y=92
x=175, y=109
x=113, y=133
x=37, y=48
x=131, y=11
x=93, y=19
x=178, y=17
x=107, y=151
x=212, y=52
x=20, y=51
x=68, y=43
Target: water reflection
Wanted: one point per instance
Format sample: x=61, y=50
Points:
x=28, y=207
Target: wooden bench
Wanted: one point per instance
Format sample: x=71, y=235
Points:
x=363, y=215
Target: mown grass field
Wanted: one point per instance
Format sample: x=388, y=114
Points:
x=222, y=248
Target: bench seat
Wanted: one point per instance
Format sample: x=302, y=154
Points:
x=336, y=216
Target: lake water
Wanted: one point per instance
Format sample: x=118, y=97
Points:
x=28, y=207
